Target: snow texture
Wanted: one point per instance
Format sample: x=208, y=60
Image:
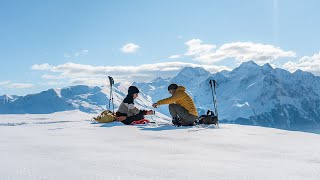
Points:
x=68, y=146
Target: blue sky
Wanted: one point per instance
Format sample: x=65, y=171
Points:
x=48, y=44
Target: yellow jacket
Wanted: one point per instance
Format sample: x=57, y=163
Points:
x=181, y=98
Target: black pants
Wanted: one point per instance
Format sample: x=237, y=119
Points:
x=186, y=118
x=130, y=119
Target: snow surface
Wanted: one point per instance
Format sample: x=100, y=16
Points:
x=67, y=146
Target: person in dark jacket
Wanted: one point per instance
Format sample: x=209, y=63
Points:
x=128, y=113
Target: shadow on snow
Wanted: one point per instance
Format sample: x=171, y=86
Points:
x=157, y=127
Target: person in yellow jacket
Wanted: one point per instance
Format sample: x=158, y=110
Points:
x=181, y=106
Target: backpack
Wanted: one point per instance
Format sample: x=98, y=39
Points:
x=209, y=118
x=106, y=116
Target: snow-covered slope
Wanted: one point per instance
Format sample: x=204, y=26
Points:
x=4, y=99
x=249, y=94
x=66, y=146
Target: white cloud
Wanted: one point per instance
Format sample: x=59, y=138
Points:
x=19, y=85
x=51, y=83
x=176, y=56
x=130, y=48
x=240, y=51
x=89, y=81
x=197, y=48
x=306, y=63
x=244, y=51
x=48, y=76
x=8, y=84
x=42, y=67
x=4, y=83
x=88, y=74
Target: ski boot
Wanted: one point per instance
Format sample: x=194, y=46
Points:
x=176, y=121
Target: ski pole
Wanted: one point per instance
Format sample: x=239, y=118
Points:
x=213, y=85
x=111, y=81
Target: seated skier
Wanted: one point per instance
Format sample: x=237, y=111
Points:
x=128, y=113
x=181, y=106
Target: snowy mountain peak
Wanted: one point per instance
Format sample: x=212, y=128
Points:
x=193, y=71
x=249, y=64
x=159, y=79
x=191, y=74
x=52, y=92
x=6, y=99
x=5, y=96
x=301, y=73
x=267, y=66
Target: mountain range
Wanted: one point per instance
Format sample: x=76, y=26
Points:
x=249, y=94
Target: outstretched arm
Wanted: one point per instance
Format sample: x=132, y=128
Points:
x=174, y=98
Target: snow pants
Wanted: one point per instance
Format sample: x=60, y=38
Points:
x=186, y=118
x=131, y=119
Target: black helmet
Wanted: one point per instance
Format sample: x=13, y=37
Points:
x=133, y=90
x=173, y=87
